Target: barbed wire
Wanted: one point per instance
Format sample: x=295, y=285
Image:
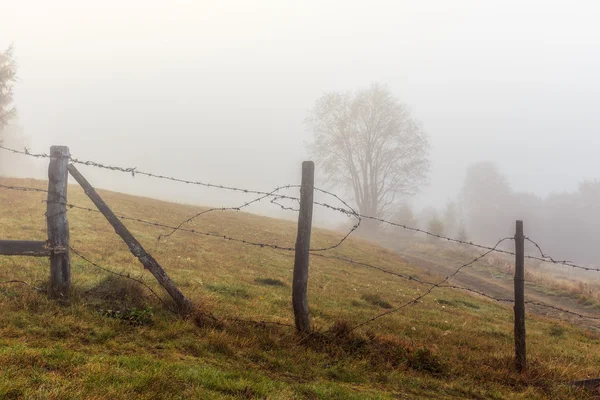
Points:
x=144, y=284
x=238, y=208
x=457, y=287
x=25, y=152
x=134, y=171
x=160, y=225
x=435, y=285
x=197, y=232
x=23, y=188
x=338, y=258
x=404, y=276
x=546, y=258
x=126, y=276
x=349, y=211
x=275, y=201
x=535, y=303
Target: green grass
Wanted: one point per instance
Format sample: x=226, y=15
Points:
x=376, y=300
x=113, y=340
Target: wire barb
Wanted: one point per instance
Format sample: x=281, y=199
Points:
x=23, y=188
x=546, y=258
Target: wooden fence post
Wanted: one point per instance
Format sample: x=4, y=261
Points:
x=300, y=283
x=520, y=354
x=184, y=305
x=56, y=219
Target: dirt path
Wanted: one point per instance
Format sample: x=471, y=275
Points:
x=500, y=285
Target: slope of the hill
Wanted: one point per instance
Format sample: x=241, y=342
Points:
x=111, y=339
x=545, y=283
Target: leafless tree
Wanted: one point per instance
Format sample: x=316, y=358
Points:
x=369, y=143
x=8, y=76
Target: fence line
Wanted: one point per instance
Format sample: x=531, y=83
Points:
x=238, y=208
x=23, y=188
x=56, y=252
x=543, y=258
x=349, y=211
x=334, y=257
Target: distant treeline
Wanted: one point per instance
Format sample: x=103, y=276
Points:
x=565, y=224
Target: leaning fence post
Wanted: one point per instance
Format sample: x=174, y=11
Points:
x=184, y=305
x=520, y=354
x=300, y=283
x=56, y=219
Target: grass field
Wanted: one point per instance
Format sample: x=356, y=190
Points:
x=113, y=340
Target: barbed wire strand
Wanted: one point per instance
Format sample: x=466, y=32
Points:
x=23, y=188
x=349, y=211
x=404, y=276
x=546, y=258
x=416, y=299
x=197, y=232
x=134, y=171
x=535, y=303
x=238, y=208
x=457, y=287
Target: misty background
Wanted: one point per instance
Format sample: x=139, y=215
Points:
x=218, y=92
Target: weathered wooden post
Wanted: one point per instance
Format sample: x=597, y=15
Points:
x=300, y=283
x=56, y=219
x=520, y=354
x=184, y=305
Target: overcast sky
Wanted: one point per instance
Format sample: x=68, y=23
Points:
x=218, y=90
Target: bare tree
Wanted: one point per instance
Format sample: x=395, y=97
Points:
x=369, y=143
x=8, y=75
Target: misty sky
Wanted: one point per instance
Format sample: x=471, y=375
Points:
x=218, y=91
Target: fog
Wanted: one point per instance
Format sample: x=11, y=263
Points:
x=218, y=91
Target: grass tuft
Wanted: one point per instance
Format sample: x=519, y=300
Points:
x=230, y=290
x=376, y=300
x=270, y=282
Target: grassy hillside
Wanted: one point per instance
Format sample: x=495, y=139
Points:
x=114, y=340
